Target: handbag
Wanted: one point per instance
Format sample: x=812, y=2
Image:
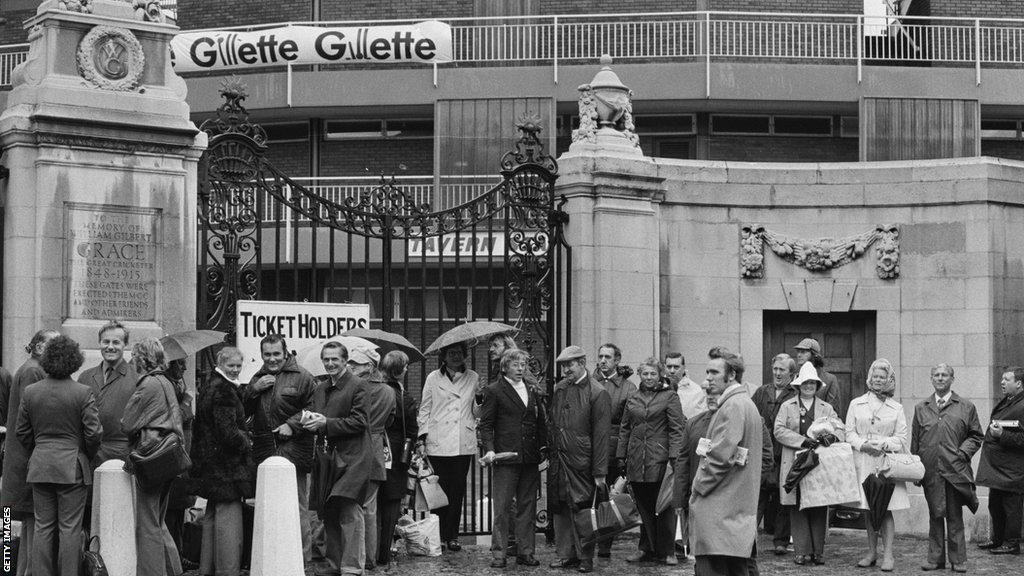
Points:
x=666, y=493
x=166, y=459
x=902, y=467
x=92, y=562
x=429, y=495
x=603, y=520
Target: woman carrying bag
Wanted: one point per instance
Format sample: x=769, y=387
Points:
x=651, y=435
x=152, y=420
x=401, y=437
x=793, y=430
x=875, y=426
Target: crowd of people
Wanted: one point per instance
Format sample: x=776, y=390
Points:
x=353, y=434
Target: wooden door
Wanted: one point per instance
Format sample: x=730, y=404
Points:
x=847, y=343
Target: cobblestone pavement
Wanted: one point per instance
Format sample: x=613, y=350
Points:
x=843, y=549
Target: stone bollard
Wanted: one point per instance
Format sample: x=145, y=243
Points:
x=276, y=537
x=113, y=517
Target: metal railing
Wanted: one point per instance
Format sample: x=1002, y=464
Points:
x=685, y=36
x=10, y=56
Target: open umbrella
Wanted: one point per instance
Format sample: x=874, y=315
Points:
x=877, y=492
x=387, y=341
x=309, y=357
x=184, y=344
x=469, y=332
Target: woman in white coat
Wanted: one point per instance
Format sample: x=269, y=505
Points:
x=447, y=427
x=876, y=425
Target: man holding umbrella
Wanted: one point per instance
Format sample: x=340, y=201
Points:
x=579, y=424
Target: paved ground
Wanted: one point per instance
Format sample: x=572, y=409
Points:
x=843, y=549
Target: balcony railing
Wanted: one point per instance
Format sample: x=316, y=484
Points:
x=695, y=36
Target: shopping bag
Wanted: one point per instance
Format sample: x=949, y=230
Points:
x=834, y=481
x=603, y=520
x=667, y=491
x=429, y=495
x=421, y=537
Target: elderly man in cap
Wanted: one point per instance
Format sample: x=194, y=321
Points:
x=579, y=425
x=945, y=433
x=808, y=350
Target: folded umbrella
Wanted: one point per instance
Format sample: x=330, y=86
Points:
x=184, y=344
x=469, y=332
x=804, y=462
x=387, y=341
x=877, y=492
x=309, y=357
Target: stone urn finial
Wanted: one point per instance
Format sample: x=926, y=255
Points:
x=606, y=111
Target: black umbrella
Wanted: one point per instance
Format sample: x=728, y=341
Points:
x=804, y=462
x=877, y=492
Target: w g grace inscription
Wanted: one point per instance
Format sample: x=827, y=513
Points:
x=111, y=255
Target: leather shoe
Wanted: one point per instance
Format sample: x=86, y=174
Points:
x=586, y=566
x=818, y=560
x=800, y=560
x=989, y=545
x=499, y=563
x=565, y=563
x=781, y=550
x=527, y=560
x=454, y=546
x=1013, y=549
x=930, y=567
x=604, y=554
x=958, y=568
x=640, y=556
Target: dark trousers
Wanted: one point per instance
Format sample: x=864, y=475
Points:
x=774, y=514
x=659, y=529
x=809, y=527
x=948, y=530
x=388, y=513
x=156, y=553
x=604, y=547
x=566, y=539
x=451, y=477
x=722, y=566
x=58, y=515
x=519, y=481
x=1005, y=509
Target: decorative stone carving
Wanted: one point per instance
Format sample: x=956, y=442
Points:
x=83, y=6
x=111, y=58
x=819, y=255
x=149, y=10
x=605, y=105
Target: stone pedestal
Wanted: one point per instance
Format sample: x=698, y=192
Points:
x=113, y=517
x=100, y=204
x=276, y=536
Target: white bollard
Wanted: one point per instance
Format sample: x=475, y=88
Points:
x=276, y=536
x=113, y=517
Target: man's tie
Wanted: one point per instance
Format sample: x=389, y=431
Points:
x=941, y=403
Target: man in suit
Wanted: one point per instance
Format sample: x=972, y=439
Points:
x=946, y=433
x=723, y=502
x=112, y=383
x=512, y=421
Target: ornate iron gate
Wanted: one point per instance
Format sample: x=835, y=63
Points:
x=500, y=256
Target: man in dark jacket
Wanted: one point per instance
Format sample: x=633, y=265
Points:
x=946, y=433
x=616, y=381
x=768, y=398
x=512, y=422
x=578, y=427
x=1002, y=465
x=808, y=350
x=275, y=399
x=113, y=383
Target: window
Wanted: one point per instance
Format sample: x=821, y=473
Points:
x=737, y=125
x=729, y=124
x=679, y=149
x=409, y=128
x=287, y=131
x=655, y=124
x=849, y=127
x=353, y=129
x=1000, y=129
x=802, y=125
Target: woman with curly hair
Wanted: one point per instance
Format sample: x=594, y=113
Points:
x=151, y=414
x=59, y=424
x=650, y=437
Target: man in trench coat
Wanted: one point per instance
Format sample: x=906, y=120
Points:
x=723, y=502
x=579, y=424
x=946, y=433
x=1001, y=467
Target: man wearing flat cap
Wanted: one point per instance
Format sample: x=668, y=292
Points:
x=579, y=424
x=809, y=350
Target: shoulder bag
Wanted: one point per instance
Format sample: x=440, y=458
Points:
x=902, y=467
x=165, y=460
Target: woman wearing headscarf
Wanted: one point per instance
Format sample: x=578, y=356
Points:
x=151, y=414
x=652, y=436
x=401, y=432
x=796, y=425
x=876, y=425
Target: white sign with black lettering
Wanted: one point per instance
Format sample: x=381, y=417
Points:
x=302, y=324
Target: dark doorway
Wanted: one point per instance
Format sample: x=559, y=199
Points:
x=847, y=342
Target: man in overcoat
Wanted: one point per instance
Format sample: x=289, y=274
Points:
x=113, y=383
x=619, y=388
x=723, y=502
x=1002, y=465
x=578, y=425
x=768, y=398
x=946, y=433
x=340, y=417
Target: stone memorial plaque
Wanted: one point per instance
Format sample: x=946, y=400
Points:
x=111, y=259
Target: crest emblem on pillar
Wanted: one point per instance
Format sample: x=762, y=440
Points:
x=111, y=58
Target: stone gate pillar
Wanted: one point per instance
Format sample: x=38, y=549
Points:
x=100, y=204
x=614, y=195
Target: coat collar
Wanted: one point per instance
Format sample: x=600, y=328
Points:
x=866, y=397
x=506, y=387
x=1005, y=402
x=734, y=390
x=930, y=401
